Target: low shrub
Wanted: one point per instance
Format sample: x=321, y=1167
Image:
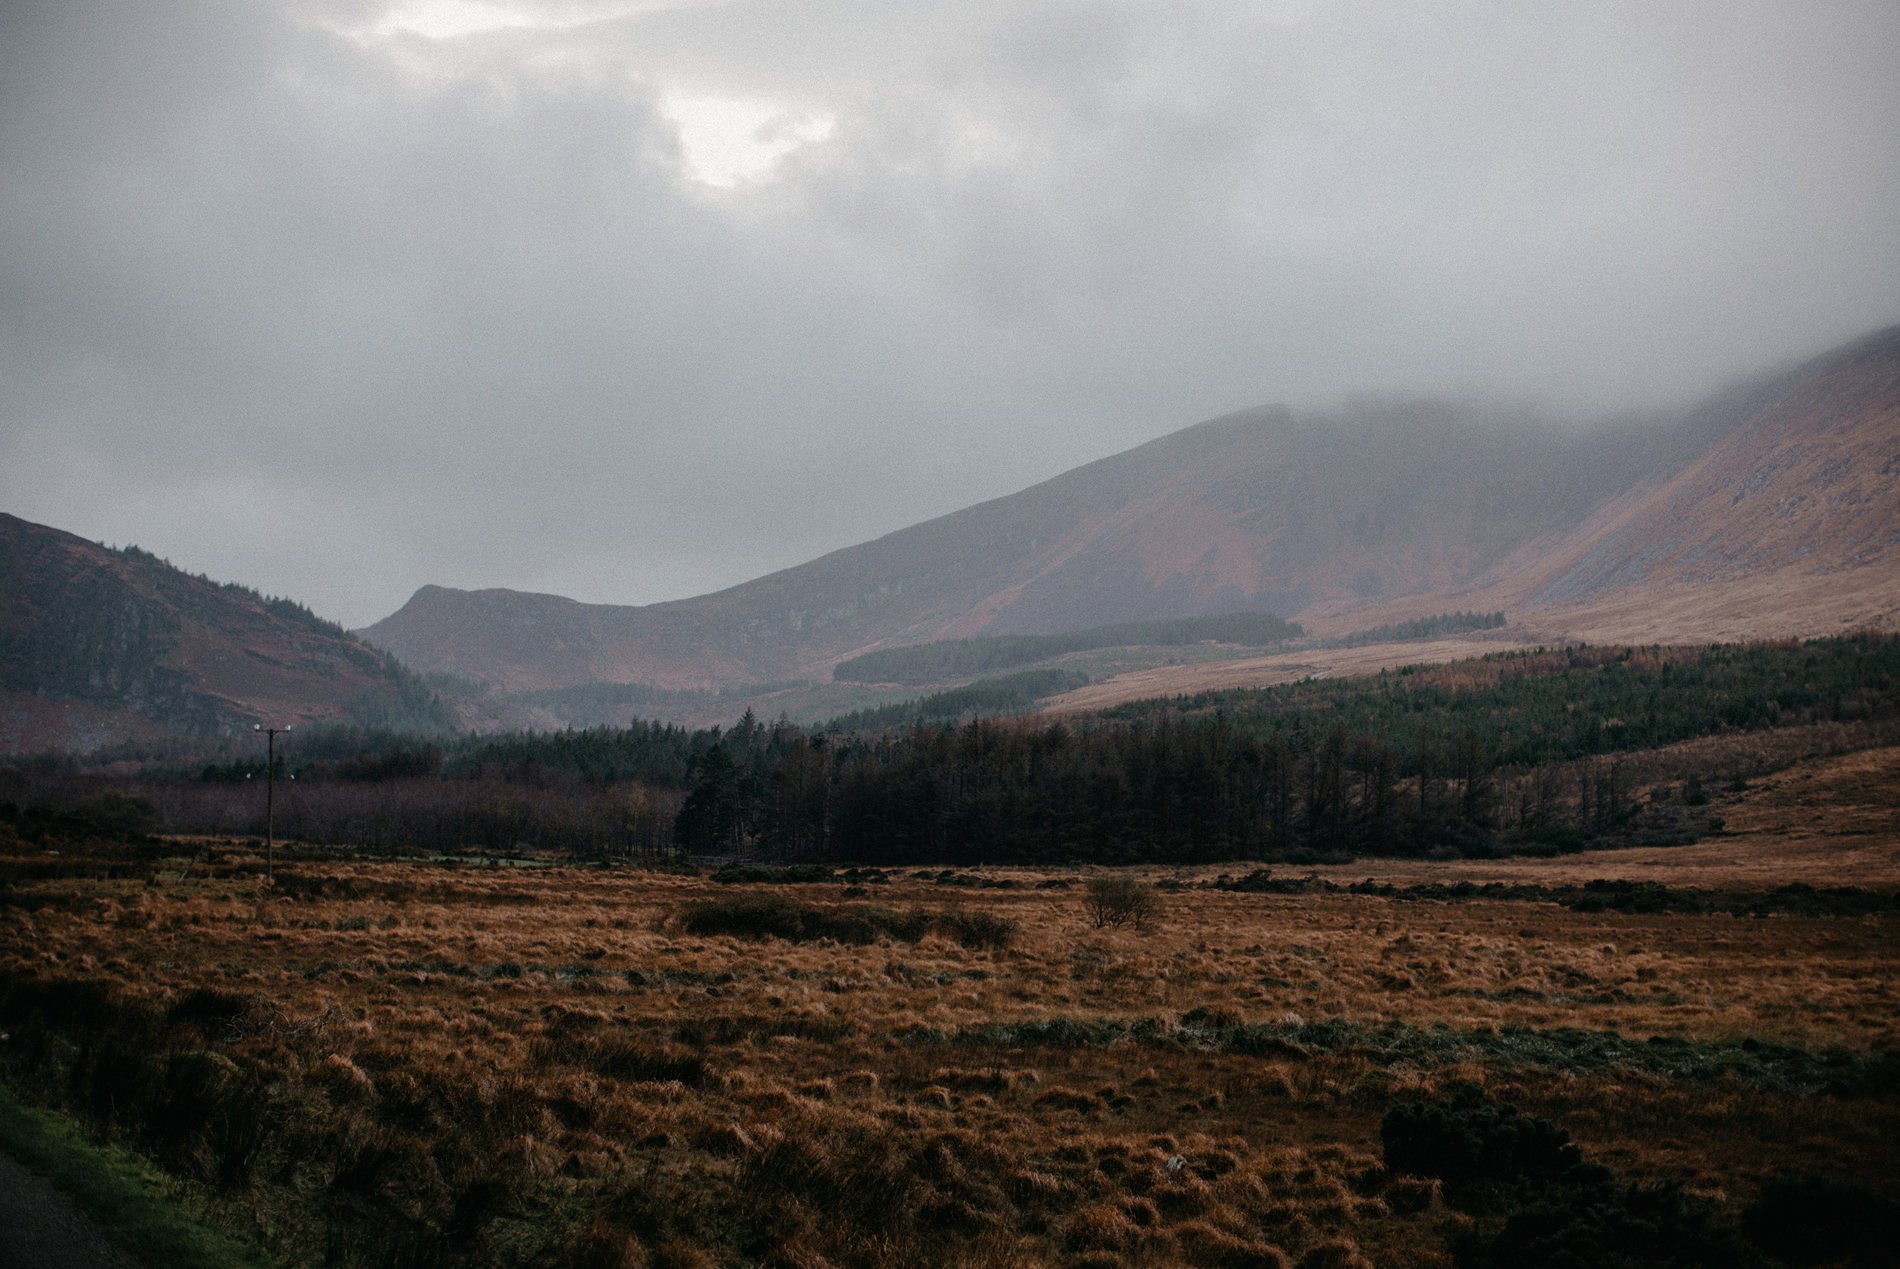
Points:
x=1477, y=1150
x=758, y=874
x=208, y=1116
x=762, y=916
x=754, y=916
x=977, y=929
x=1563, y=1213
x=1600, y=1225
x=213, y=1012
x=1810, y=1220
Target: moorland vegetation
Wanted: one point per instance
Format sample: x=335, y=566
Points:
x=396, y=1064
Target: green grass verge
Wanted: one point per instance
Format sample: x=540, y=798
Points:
x=124, y=1194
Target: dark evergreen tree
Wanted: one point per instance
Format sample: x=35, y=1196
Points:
x=717, y=815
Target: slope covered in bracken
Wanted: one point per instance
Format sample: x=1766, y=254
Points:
x=98, y=645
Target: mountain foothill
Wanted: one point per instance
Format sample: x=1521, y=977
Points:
x=1770, y=510
x=100, y=645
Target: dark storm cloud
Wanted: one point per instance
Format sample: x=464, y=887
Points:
x=303, y=296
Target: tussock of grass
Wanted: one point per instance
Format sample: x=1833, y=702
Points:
x=761, y=916
x=622, y=1057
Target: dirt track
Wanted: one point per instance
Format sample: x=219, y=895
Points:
x=44, y=1231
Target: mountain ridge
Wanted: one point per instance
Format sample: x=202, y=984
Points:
x=1378, y=511
x=1773, y=509
x=1132, y=537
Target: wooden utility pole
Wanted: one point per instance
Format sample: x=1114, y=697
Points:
x=270, y=794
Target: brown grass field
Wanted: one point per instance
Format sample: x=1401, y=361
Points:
x=415, y=1063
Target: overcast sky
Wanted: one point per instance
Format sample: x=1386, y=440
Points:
x=631, y=300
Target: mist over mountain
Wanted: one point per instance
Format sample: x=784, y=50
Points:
x=1381, y=510
x=1260, y=511
x=1771, y=510
x=632, y=301
x=1787, y=523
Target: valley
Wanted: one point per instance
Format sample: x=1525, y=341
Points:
x=674, y=937
x=1768, y=511
x=675, y=634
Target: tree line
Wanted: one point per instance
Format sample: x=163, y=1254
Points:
x=1554, y=705
x=1424, y=628
x=1531, y=751
x=1003, y=694
x=1519, y=751
x=947, y=660
x=1025, y=792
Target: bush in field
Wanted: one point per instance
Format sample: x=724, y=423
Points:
x=753, y=916
x=1563, y=1213
x=1476, y=1149
x=115, y=813
x=760, y=916
x=1600, y=1225
x=1811, y=1220
x=977, y=929
x=1119, y=901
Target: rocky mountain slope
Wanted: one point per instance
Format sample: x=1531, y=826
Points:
x=98, y=645
x=1381, y=511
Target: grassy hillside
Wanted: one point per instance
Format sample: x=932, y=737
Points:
x=124, y=632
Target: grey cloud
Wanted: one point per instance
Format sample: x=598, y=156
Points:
x=338, y=315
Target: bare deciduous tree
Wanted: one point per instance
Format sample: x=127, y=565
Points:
x=1119, y=901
